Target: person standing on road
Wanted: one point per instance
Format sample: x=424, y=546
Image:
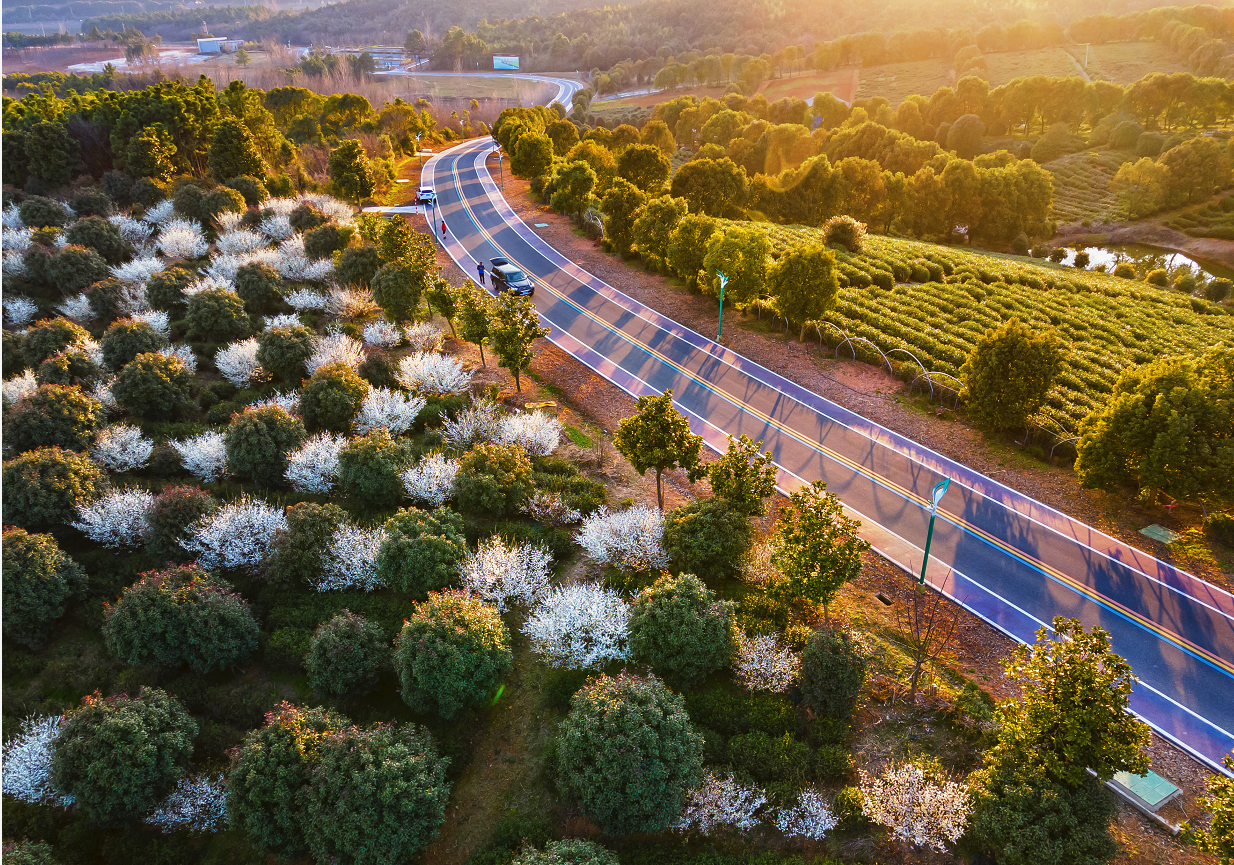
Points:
x=443, y=231
x=480, y=270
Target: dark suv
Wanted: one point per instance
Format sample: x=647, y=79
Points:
x=507, y=277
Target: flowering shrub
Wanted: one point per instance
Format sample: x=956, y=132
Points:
x=238, y=363
x=182, y=353
x=348, y=654
x=719, y=803
x=133, y=231
x=809, y=818
x=203, y=455
x=180, y=238
x=238, y=535
x=580, y=627
x=116, y=520
x=306, y=298
x=350, y=302
x=430, y=372
x=159, y=321
x=198, y=804
x=294, y=263
x=138, y=269
x=923, y=811
x=627, y=539
x=550, y=509
x=27, y=762
x=451, y=653
x=20, y=311
x=387, y=408
x=534, y=432
x=335, y=348
x=501, y=573
x=350, y=561
x=431, y=481
x=382, y=333
x=479, y=422
x=77, y=308
x=314, y=467
x=19, y=387
x=283, y=319
x=277, y=227
x=763, y=663
x=237, y=242
x=424, y=337
x=121, y=448
x=160, y=213
x=208, y=283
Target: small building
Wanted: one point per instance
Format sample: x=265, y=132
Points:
x=218, y=45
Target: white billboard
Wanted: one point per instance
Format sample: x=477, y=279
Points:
x=505, y=61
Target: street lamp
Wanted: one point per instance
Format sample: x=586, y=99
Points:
x=720, y=327
x=501, y=174
x=936, y=496
x=420, y=153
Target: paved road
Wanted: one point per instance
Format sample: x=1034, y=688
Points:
x=1008, y=558
x=566, y=87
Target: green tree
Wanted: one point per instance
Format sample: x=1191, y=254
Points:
x=475, y=316
x=43, y=488
x=154, y=386
x=217, y=315
x=233, y=151
x=149, y=154
x=39, y=580
x=707, y=537
x=646, y=166
x=964, y=136
x=803, y=282
x=659, y=437
x=422, y=550
x=688, y=246
x=1218, y=838
x=168, y=518
x=628, y=754
x=1193, y=169
x=494, y=479
x=564, y=136
x=51, y=336
x=259, y=286
x=53, y=416
x=332, y=398
x=654, y=224
x=371, y=468
x=1166, y=426
x=296, y=558
x=815, y=547
x=258, y=442
x=599, y=157
x=126, y=338
x=350, y=171
x=744, y=477
x=54, y=155
x=833, y=671
x=714, y=187
x=680, y=629
x=451, y=653
x=348, y=655
x=1008, y=374
x=741, y=255
x=573, y=185
x=1142, y=187
x=118, y=757
x=532, y=156
x=620, y=204
x=441, y=297
x=283, y=352
x=513, y=328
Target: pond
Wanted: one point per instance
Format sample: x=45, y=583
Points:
x=1146, y=258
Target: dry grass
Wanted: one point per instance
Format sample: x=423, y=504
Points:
x=897, y=81
x=842, y=83
x=1054, y=62
x=650, y=100
x=1127, y=62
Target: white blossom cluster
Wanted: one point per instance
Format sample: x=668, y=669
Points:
x=238, y=535
x=139, y=269
x=276, y=227
x=430, y=372
x=281, y=206
x=389, y=409
x=183, y=353
x=240, y=241
x=19, y=311
x=915, y=808
x=121, y=448
x=16, y=240
x=27, y=762
x=502, y=574
x=479, y=422
x=14, y=264
x=349, y=302
x=238, y=364
x=208, y=283
x=11, y=217
x=350, y=561
x=335, y=348
x=102, y=392
x=160, y=321
x=283, y=319
x=19, y=387
x=92, y=349
x=293, y=263
x=288, y=402
x=76, y=308
x=225, y=265
x=117, y=519
x=306, y=298
x=431, y=481
x=809, y=818
x=228, y=220
x=550, y=509
x=423, y=336
x=535, y=432
x=313, y=467
x=203, y=455
x=628, y=539
x=182, y=238
x=331, y=208
x=720, y=803
x=60, y=240
x=382, y=333
x=160, y=212
x=196, y=805
x=132, y=230
x=763, y=663
x=582, y=626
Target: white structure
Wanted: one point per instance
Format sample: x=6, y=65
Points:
x=218, y=45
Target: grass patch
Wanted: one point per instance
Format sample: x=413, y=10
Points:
x=1082, y=184
x=579, y=437
x=1128, y=62
x=1054, y=62
x=842, y=82
x=897, y=81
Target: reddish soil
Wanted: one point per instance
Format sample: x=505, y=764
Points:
x=650, y=100
x=842, y=83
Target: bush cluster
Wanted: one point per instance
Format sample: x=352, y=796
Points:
x=422, y=550
x=153, y=386
x=282, y=352
x=371, y=468
x=53, y=416
x=348, y=654
x=125, y=339
x=493, y=479
x=258, y=441
x=216, y=315
x=680, y=629
x=332, y=398
x=39, y=579
x=44, y=487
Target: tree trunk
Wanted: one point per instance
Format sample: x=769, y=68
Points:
x=517, y=384
x=480, y=345
x=659, y=489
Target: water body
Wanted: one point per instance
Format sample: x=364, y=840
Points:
x=1146, y=258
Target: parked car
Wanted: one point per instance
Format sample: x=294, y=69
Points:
x=426, y=195
x=507, y=277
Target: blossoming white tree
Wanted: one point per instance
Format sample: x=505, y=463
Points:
x=350, y=561
x=238, y=362
x=131, y=230
x=306, y=298
x=431, y=481
x=721, y=802
x=763, y=663
x=182, y=352
x=203, y=455
x=430, y=372
x=198, y=804
x=314, y=466
x=117, y=519
x=382, y=333
x=160, y=321
x=288, y=402
x=182, y=238
x=479, y=422
x=580, y=627
x=423, y=336
x=27, y=762
x=502, y=573
x=283, y=319
x=349, y=302
x=535, y=432
x=19, y=387
x=335, y=348
x=209, y=283
x=138, y=270
x=77, y=308
x=809, y=818
x=238, y=535
x=628, y=539
x=102, y=392
x=121, y=448
x=239, y=241
x=391, y=409
x=550, y=509
x=916, y=808
x=160, y=212
x=277, y=227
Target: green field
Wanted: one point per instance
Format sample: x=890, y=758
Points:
x=1107, y=323
x=1081, y=184
x=1215, y=219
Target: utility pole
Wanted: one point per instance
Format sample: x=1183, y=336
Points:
x=936, y=496
x=720, y=327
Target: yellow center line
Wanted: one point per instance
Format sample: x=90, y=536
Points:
x=1079, y=587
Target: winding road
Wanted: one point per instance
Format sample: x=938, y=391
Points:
x=1011, y=560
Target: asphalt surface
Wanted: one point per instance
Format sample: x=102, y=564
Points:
x=1008, y=558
